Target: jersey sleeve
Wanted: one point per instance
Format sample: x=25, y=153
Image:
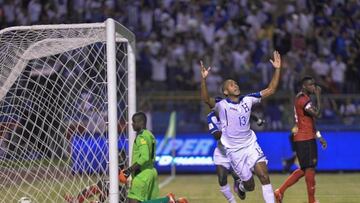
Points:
x=144, y=150
x=254, y=97
x=308, y=105
x=218, y=99
x=305, y=103
x=213, y=122
x=217, y=104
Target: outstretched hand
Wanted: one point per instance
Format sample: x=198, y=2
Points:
x=204, y=71
x=277, y=60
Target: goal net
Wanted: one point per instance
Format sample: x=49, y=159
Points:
x=66, y=95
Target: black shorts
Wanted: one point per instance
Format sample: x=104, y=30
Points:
x=306, y=151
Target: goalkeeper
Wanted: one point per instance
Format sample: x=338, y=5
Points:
x=144, y=185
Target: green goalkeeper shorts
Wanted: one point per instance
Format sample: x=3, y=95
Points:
x=144, y=186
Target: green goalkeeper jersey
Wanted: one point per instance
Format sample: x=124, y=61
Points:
x=144, y=150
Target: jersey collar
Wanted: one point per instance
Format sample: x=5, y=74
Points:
x=140, y=132
x=232, y=102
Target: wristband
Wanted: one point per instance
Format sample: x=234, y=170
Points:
x=318, y=135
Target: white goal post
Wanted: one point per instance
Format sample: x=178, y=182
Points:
x=67, y=94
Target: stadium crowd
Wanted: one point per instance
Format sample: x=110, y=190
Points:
x=319, y=38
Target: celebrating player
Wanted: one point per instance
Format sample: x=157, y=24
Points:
x=222, y=162
x=305, y=139
x=238, y=139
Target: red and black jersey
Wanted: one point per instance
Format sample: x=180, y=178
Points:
x=304, y=121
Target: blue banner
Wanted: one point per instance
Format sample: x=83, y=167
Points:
x=194, y=152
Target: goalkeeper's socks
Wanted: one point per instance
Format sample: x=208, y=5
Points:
x=268, y=193
x=227, y=193
x=310, y=183
x=291, y=180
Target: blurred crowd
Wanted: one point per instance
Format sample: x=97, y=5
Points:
x=236, y=38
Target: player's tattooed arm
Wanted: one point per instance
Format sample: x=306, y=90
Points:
x=315, y=111
x=318, y=100
x=204, y=92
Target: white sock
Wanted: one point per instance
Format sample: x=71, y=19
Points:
x=268, y=193
x=227, y=193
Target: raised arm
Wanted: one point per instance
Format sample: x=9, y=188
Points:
x=312, y=110
x=204, y=92
x=276, y=76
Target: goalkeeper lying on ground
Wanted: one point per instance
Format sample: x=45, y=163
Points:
x=144, y=185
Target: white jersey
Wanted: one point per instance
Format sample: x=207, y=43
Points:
x=235, y=120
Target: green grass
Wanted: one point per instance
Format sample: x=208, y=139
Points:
x=330, y=188
x=44, y=191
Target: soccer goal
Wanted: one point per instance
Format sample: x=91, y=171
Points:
x=67, y=93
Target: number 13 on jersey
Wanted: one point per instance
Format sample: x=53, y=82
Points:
x=242, y=120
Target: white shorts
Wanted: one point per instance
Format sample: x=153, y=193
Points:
x=220, y=157
x=244, y=159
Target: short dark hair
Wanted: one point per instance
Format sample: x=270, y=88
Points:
x=223, y=86
x=306, y=78
x=141, y=115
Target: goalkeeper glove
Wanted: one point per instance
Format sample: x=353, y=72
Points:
x=123, y=175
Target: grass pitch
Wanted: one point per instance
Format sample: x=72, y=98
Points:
x=330, y=188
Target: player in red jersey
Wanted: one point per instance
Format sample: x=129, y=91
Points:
x=305, y=139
